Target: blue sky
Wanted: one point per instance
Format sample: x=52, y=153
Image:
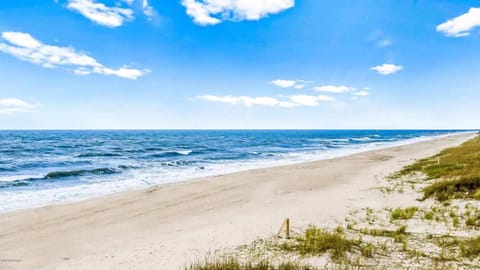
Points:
x=171, y=64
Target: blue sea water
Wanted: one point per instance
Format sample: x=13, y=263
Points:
x=45, y=167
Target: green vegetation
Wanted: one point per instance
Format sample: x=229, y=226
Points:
x=399, y=235
x=476, y=195
x=455, y=222
x=235, y=264
x=456, y=169
x=452, y=189
x=470, y=248
x=473, y=221
x=429, y=215
x=406, y=213
x=316, y=241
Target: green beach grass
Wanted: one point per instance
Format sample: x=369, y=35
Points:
x=230, y=263
x=456, y=172
x=316, y=241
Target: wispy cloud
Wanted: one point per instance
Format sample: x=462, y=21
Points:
x=387, y=69
x=361, y=93
x=308, y=100
x=111, y=16
x=24, y=47
x=297, y=84
x=211, y=12
x=384, y=43
x=246, y=100
x=342, y=89
x=285, y=102
x=334, y=89
x=148, y=9
x=102, y=14
x=461, y=25
x=380, y=40
x=14, y=105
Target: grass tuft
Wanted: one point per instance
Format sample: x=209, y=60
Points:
x=316, y=241
x=406, y=213
x=399, y=235
x=235, y=264
x=470, y=248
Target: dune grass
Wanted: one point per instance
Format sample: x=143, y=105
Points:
x=470, y=248
x=234, y=264
x=454, y=189
x=399, y=235
x=473, y=221
x=403, y=213
x=316, y=241
x=456, y=169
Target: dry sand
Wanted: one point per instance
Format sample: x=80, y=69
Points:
x=165, y=227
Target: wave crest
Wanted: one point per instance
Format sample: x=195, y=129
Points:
x=171, y=154
x=63, y=174
x=56, y=175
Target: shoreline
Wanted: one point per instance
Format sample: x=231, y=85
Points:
x=248, y=166
x=169, y=225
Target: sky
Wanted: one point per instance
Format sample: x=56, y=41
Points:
x=239, y=64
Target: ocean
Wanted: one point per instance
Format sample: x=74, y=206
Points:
x=39, y=168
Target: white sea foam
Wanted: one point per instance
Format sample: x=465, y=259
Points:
x=362, y=139
x=184, y=152
x=19, y=177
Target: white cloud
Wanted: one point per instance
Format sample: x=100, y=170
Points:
x=461, y=25
x=21, y=39
x=297, y=84
x=111, y=16
x=211, y=12
x=14, y=105
x=284, y=83
x=341, y=89
x=307, y=100
x=148, y=9
x=361, y=93
x=243, y=100
x=25, y=47
x=334, y=89
x=387, y=69
x=102, y=14
x=286, y=102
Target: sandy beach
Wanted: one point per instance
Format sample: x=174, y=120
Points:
x=168, y=226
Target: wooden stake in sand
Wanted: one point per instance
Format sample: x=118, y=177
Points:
x=286, y=224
